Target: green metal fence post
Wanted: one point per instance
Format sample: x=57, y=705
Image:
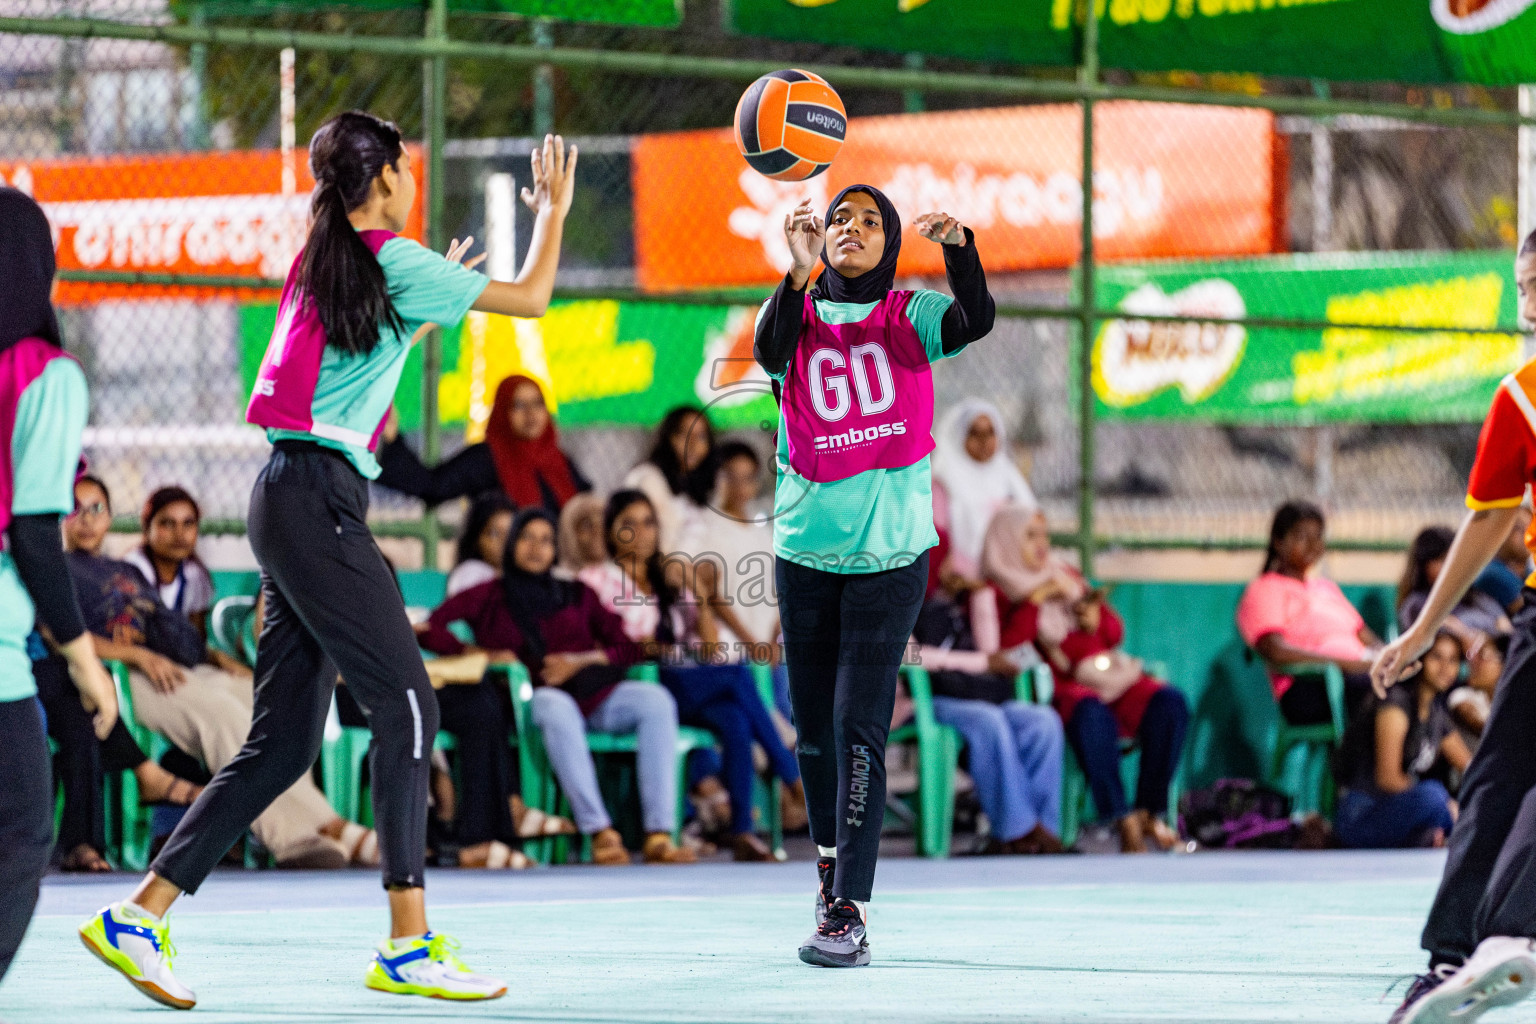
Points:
x=543, y=83
x=198, y=61
x=912, y=99
x=1088, y=78
x=435, y=123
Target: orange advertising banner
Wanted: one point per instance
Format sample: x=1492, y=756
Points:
x=1169, y=180
x=227, y=213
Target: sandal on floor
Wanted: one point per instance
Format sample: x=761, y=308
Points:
x=659, y=849
x=84, y=859
x=608, y=849
x=361, y=843
x=500, y=857
x=532, y=823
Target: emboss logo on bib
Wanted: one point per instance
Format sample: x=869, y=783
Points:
x=853, y=436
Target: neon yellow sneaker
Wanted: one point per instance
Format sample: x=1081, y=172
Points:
x=427, y=966
x=139, y=948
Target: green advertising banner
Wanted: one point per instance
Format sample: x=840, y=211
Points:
x=651, y=13
x=1014, y=31
x=1225, y=373
x=606, y=363
x=1487, y=41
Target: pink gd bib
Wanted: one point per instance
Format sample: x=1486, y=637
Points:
x=858, y=396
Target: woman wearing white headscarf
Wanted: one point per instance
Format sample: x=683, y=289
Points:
x=973, y=476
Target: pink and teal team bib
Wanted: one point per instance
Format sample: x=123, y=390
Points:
x=854, y=492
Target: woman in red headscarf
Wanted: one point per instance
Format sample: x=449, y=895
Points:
x=520, y=456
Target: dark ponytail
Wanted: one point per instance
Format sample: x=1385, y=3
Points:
x=337, y=270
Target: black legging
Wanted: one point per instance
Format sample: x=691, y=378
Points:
x=26, y=819
x=331, y=604
x=844, y=638
x=477, y=718
x=81, y=760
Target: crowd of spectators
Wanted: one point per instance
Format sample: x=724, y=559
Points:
x=638, y=612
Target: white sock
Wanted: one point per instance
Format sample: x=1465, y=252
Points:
x=827, y=851
x=132, y=909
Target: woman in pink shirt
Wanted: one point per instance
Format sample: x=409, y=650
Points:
x=1292, y=616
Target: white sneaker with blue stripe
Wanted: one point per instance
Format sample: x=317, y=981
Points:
x=139, y=948
x=426, y=965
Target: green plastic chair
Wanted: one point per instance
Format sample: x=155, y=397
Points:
x=1310, y=785
x=938, y=758
x=129, y=824
x=767, y=796
x=229, y=627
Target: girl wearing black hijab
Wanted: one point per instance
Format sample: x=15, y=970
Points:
x=853, y=510
x=43, y=407
x=576, y=654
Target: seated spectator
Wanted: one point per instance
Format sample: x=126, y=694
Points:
x=1385, y=802
x=1503, y=579
x=520, y=457
x=580, y=539
x=201, y=709
x=731, y=547
x=168, y=559
x=1471, y=704
x=576, y=654
x=81, y=760
x=482, y=544
x=678, y=474
x=1015, y=748
x=1291, y=615
x=1476, y=618
x=658, y=609
x=973, y=475
x=1101, y=693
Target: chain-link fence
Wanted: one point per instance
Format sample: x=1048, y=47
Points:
x=1253, y=239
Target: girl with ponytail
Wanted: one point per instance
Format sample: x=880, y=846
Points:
x=356, y=300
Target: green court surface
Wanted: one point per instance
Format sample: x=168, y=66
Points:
x=1206, y=937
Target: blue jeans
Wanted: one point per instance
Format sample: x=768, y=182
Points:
x=1368, y=821
x=1095, y=738
x=644, y=709
x=724, y=700
x=1016, y=753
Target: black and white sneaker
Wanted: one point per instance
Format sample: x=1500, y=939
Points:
x=1421, y=986
x=840, y=940
x=826, y=868
x=1501, y=972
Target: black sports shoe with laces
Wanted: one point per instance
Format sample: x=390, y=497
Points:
x=826, y=867
x=840, y=940
x=1422, y=985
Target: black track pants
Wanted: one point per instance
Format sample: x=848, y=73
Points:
x=331, y=604
x=1489, y=887
x=26, y=818
x=844, y=638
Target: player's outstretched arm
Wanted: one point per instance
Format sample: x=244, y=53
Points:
x=971, y=316
x=1478, y=540
x=554, y=182
x=778, y=327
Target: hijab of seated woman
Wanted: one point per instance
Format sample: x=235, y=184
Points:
x=976, y=474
